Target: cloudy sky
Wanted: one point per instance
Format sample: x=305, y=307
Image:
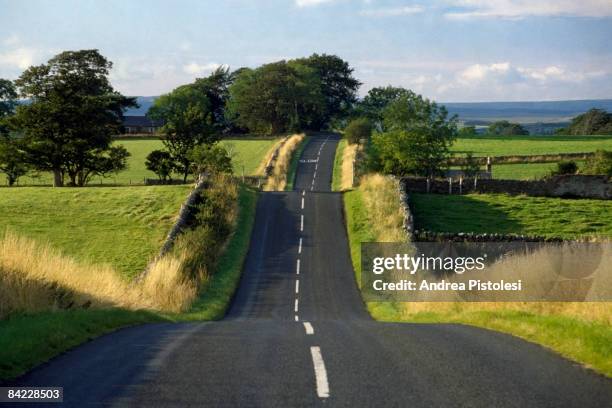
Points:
x=449, y=50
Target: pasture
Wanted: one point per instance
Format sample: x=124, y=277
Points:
x=500, y=213
x=484, y=145
x=120, y=226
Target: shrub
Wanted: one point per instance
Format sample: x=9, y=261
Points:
x=467, y=131
x=160, y=162
x=213, y=159
x=470, y=166
x=599, y=163
x=357, y=130
x=565, y=167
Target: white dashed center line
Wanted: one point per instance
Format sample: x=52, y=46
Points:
x=297, y=319
x=302, y=203
x=297, y=267
x=297, y=286
x=295, y=306
x=300, y=247
x=302, y=222
x=320, y=372
x=308, y=327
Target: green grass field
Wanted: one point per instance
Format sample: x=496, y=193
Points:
x=121, y=226
x=525, y=171
x=488, y=213
x=247, y=153
x=530, y=145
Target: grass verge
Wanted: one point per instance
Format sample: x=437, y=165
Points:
x=337, y=174
x=293, y=164
x=216, y=294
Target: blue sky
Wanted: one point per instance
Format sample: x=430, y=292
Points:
x=449, y=50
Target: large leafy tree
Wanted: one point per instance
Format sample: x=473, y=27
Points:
x=593, y=122
x=12, y=157
x=276, y=98
x=72, y=116
x=190, y=120
x=8, y=101
x=418, y=139
x=338, y=86
x=376, y=101
x=505, y=128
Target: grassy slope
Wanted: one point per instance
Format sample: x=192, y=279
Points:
x=512, y=214
x=587, y=342
x=26, y=341
x=530, y=145
x=293, y=165
x=359, y=229
x=337, y=174
x=247, y=152
x=117, y=225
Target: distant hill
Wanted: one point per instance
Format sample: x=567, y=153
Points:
x=480, y=113
x=144, y=103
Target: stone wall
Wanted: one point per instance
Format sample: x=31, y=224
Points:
x=570, y=186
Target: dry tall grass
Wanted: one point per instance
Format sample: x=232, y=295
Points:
x=261, y=169
x=36, y=277
x=278, y=179
x=381, y=199
x=348, y=158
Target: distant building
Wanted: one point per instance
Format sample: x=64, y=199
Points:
x=141, y=125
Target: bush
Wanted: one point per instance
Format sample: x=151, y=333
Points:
x=160, y=162
x=599, y=163
x=467, y=131
x=565, y=167
x=470, y=166
x=213, y=159
x=357, y=130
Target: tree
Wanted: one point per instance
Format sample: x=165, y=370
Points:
x=593, y=122
x=357, y=130
x=216, y=89
x=189, y=119
x=276, y=98
x=73, y=115
x=212, y=159
x=160, y=162
x=599, y=163
x=377, y=99
x=467, y=131
x=565, y=167
x=338, y=86
x=470, y=166
x=418, y=139
x=8, y=101
x=12, y=159
x=505, y=128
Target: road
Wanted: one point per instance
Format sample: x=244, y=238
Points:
x=297, y=334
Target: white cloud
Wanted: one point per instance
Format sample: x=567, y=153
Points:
x=392, y=11
x=21, y=57
x=194, y=68
x=309, y=3
x=514, y=9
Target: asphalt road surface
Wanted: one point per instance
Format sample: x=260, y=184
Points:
x=297, y=334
